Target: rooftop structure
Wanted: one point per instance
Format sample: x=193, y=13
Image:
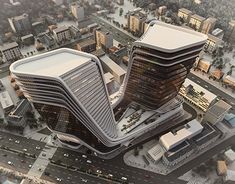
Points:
x=216, y=112
x=110, y=66
x=87, y=45
x=197, y=95
x=170, y=140
x=230, y=155
x=155, y=153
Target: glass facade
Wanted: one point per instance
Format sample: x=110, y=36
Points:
x=61, y=120
x=156, y=77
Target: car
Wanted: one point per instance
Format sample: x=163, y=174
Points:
x=88, y=161
x=98, y=171
x=83, y=180
x=16, y=141
x=66, y=155
x=110, y=175
x=9, y=163
x=39, y=169
x=124, y=178
x=84, y=156
x=4, y=155
x=44, y=154
x=38, y=148
x=1, y=138
x=30, y=166
x=58, y=179
x=76, y=159
x=22, y=161
x=25, y=150
x=10, y=139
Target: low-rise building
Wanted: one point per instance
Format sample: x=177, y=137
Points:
x=46, y=39
x=230, y=33
x=230, y=155
x=219, y=33
x=17, y=116
x=161, y=10
x=212, y=43
x=229, y=177
x=217, y=74
x=117, y=55
x=229, y=80
x=75, y=32
x=11, y=52
x=120, y=2
x=62, y=34
x=208, y=25
x=221, y=168
x=28, y=39
x=204, y=65
x=217, y=112
x=197, y=95
x=77, y=11
x=88, y=45
x=104, y=39
x=172, y=139
x=38, y=27
x=110, y=66
x=58, y=2
x=184, y=14
x=155, y=153
x=6, y=102
x=196, y=22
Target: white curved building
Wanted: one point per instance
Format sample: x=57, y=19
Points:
x=68, y=89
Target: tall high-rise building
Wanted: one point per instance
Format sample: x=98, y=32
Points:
x=136, y=20
x=20, y=24
x=159, y=64
x=208, y=25
x=77, y=11
x=67, y=88
x=104, y=39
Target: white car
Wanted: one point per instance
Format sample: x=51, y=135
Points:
x=17, y=141
x=110, y=175
x=124, y=178
x=58, y=179
x=10, y=163
x=30, y=166
x=84, y=156
x=98, y=171
x=25, y=150
x=38, y=148
x=83, y=180
x=66, y=155
x=88, y=161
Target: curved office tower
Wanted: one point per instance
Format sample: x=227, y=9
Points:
x=68, y=90
x=159, y=63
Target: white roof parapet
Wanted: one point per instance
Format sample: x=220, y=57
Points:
x=168, y=37
x=170, y=140
x=55, y=63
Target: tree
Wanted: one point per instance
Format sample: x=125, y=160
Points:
x=120, y=12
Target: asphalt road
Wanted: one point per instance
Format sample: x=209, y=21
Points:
x=11, y=140
x=19, y=163
x=70, y=177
